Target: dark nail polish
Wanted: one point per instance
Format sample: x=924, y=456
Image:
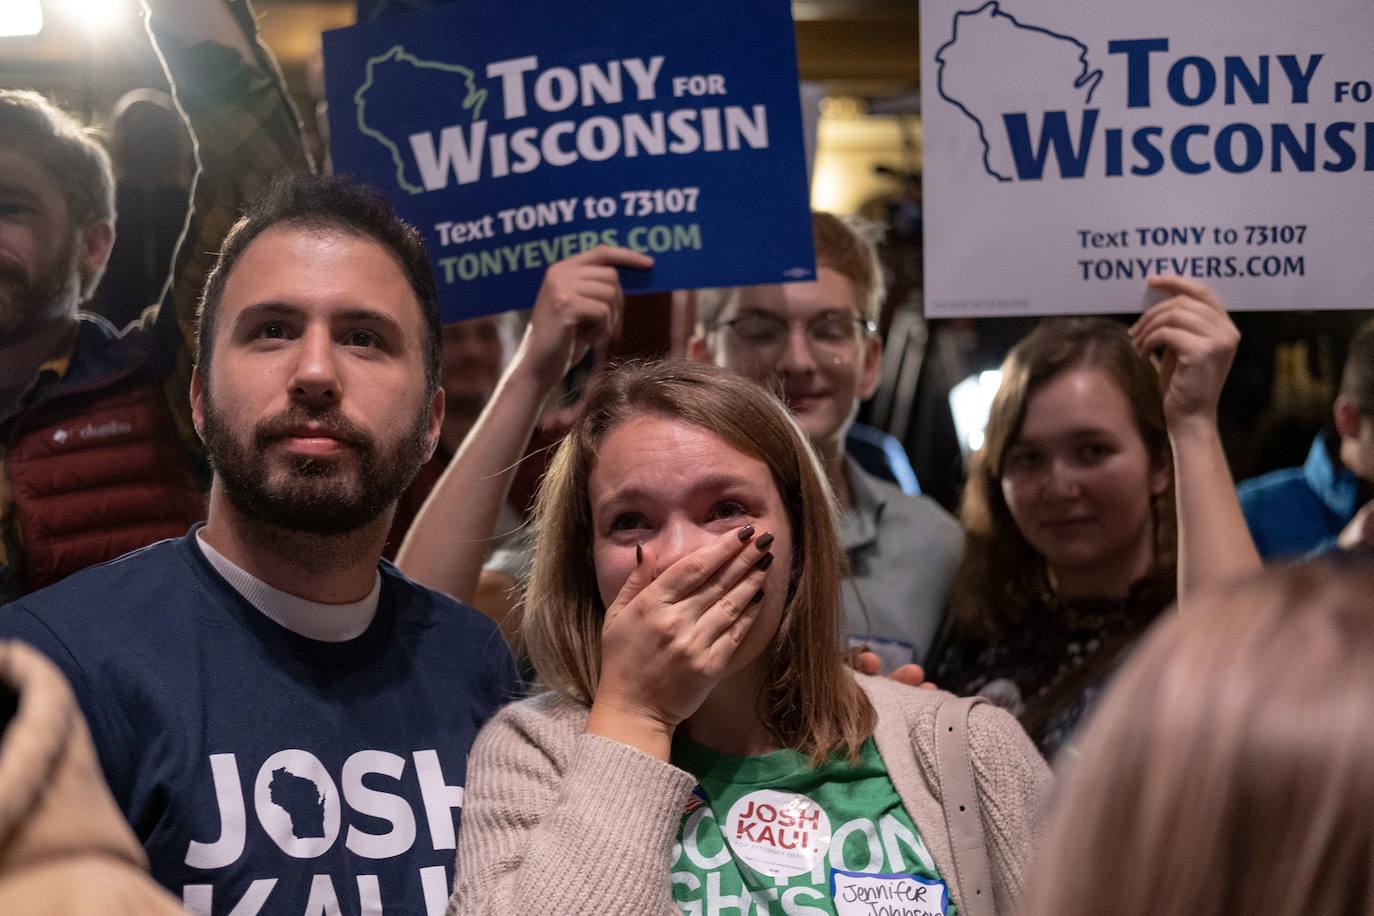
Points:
x=764, y=542
x=765, y=561
x=746, y=532
x=758, y=596
x=639, y=554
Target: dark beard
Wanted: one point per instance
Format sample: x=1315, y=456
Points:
x=320, y=495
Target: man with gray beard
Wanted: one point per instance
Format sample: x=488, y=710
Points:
x=97, y=455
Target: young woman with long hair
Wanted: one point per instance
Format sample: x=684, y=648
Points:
x=702, y=737
x=1069, y=509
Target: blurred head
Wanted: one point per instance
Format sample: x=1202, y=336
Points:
x=316, y=390
x=814, y=343
x=1073, y=487
x=1229, y=769
x=148, y=141
x=474, y=354
x=1354, y=408
x=669, y=455
x=56, y=212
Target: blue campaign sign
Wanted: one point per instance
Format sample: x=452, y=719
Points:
x=517, y=134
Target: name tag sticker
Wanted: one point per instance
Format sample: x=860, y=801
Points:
x=860, y=894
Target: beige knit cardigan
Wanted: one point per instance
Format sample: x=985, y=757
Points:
x=557, y=821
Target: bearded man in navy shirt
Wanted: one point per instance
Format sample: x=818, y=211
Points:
x=283, y=717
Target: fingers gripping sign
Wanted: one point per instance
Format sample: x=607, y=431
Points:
x=1198, y=341
x=578, y=307
x=669, y=637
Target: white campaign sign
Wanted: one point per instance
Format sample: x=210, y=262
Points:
x=1073, y=149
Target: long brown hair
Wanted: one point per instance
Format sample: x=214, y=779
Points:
x=812, y=703
x=1002, y=577
x=1230, y=768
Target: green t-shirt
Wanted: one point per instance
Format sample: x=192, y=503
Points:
x=773, y=835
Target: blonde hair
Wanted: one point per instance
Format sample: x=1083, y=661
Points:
x=811, y=704
x=843, y=246
x=1231, y=767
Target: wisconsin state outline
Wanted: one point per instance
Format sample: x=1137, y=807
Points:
x=994, y=64
x=398, y=83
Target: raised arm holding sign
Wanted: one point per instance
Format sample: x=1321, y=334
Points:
x=578, y=307
x=1198, y=342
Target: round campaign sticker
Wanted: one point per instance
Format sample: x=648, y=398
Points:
x=777, y=833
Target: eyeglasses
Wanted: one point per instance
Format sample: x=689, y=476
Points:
x=828, y=331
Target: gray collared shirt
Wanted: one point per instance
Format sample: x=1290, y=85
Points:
x=904, y=551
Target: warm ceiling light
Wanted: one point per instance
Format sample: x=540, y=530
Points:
x=95, y=15
x=20, y=17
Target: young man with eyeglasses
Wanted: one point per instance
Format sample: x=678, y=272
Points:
x=816, y=343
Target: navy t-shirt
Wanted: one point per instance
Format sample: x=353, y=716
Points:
x=265, y=772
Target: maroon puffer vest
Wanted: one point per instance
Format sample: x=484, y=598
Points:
x=96, y=476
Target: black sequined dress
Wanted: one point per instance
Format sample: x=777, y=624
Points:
x=1050, y=672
